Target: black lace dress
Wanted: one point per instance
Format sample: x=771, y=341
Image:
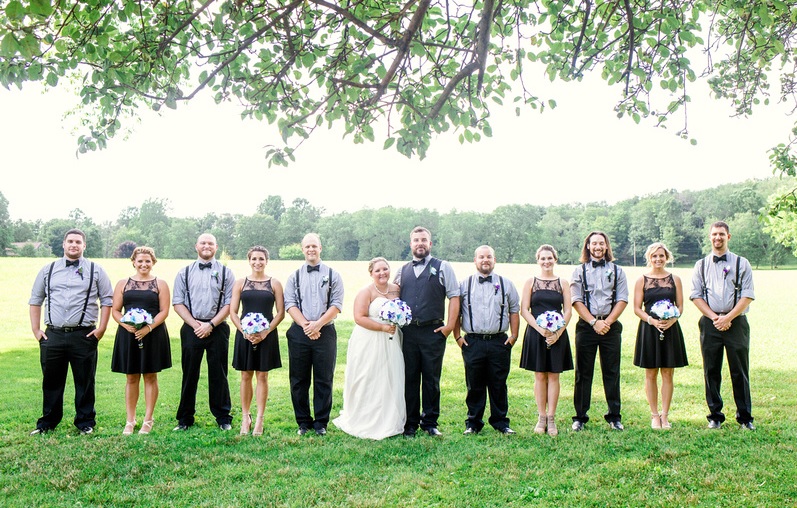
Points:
x=257, y=296
x=546, y=295
x=651, y=352
x=156, y=353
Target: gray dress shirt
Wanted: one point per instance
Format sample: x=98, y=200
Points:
x=64, y=293
x=600, y=284
x=484, y=301
x=314, y=288
x=201, y=296
x=720, y=278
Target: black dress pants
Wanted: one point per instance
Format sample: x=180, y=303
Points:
x=57, y=354
x=312, y=360
x=486, y=369
x=193, y=349
x=588, y=343
x=735, y=342
x=423, y=350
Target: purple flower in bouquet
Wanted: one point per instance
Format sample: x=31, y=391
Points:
x=664, y=310
x=137, y=318
x=551, y=321
x=254, y=322
x=395, y=312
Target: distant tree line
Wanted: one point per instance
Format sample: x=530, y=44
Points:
x=679, y=219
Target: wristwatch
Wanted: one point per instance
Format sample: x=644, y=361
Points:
x=594, y=320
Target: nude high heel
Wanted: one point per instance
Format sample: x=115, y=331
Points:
x=246, y=423
x=655, y=421
x=129, y=428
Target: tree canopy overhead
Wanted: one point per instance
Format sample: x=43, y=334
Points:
x=414, y=68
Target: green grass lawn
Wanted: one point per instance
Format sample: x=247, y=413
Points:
x=688, y=465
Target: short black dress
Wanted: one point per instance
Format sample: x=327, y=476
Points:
x=651, y=352
x=545, y=295
x=257, y=296
x=156, y=355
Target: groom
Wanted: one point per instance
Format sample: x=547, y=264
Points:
x=425, y=283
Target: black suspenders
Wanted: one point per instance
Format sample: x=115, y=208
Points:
x=737, y=288
x=85, y=302
x=503, y=302
x=221, y=291
x=299, y=290
x=586, y=287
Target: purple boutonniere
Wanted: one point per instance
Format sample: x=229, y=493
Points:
x=725, y=271
x=497, y=287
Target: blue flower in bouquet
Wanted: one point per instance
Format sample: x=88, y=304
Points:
x=395, y=312
x=551, y=320
x=664, y=309
x=137, y=318
x=254, y=322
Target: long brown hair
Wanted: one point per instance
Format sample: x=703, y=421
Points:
x=585, y=249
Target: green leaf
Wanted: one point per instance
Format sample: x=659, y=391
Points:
x=52, y=79
x=9, y=46
x=15, y=11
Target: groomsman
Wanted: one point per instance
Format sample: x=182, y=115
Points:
x=202, y=294
x=489, y=306
x=313, y=298
x=425, y=283
x=599, y=293
x=722, y=289
x=69, y=288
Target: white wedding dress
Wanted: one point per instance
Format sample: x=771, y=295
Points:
x=373, y=392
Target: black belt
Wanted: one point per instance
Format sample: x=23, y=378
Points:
x=435, y=322
x=70, y=329
x=486, y=336
x=601, y=317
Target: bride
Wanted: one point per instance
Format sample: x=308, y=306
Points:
x=373, y=393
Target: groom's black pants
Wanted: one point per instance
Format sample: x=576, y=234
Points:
x=312, y=360
x=423, y=363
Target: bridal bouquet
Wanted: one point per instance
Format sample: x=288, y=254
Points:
x=551, y=321
x=663, y=310
x=254, y=322
x=137, y=318
x=395, y=312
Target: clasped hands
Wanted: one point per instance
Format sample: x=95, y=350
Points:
x=203, y=329
x=140, y=333
x=662, y=324
x=312, y=329
x=722, y=323
x=256, y=338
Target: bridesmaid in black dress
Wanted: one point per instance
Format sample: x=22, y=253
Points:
x=257, y=353
x=659, y=343
x=144, y=351
x=546, y=353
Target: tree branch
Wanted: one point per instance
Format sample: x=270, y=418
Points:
x=165, y=42
x=462, y=74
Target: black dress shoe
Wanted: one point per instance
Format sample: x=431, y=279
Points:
x=302, y=431
x=181, y=427
x=578, y=426
x=432, y=431
x=409, y=433
x=714, y=424
x=616, y=426
x=469, y=431
x=225, y=426
x=321, y=431
x=747, y=426
x=506, y=430
x=39, y=430
x=86, y=429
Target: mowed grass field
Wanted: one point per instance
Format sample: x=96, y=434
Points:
x=688, y=465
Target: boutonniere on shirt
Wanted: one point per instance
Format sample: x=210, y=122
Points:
x=324, y=280
x=497, y=287
x=726, y=270
x=214, y=275
x=609, y=275
x=79, y=271
x=433, y=270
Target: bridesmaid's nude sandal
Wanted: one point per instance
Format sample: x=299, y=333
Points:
x=146, y=427
x=129, y=428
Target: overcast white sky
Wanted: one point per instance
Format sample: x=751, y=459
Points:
x=204, y=158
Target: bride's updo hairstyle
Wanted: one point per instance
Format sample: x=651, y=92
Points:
x=375, y=261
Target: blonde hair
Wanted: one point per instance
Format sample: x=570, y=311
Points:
x=144, y=250
x=549, y=248
x=653, y=247
x=375, y=261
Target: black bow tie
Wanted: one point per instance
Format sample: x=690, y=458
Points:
x=202, y=266
x=311, y=268
x=416, y=262
x=720, y=258
x=489, y=278
x=75, y=262
x=596, y=264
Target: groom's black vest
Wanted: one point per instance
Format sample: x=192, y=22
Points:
x=425, y=294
